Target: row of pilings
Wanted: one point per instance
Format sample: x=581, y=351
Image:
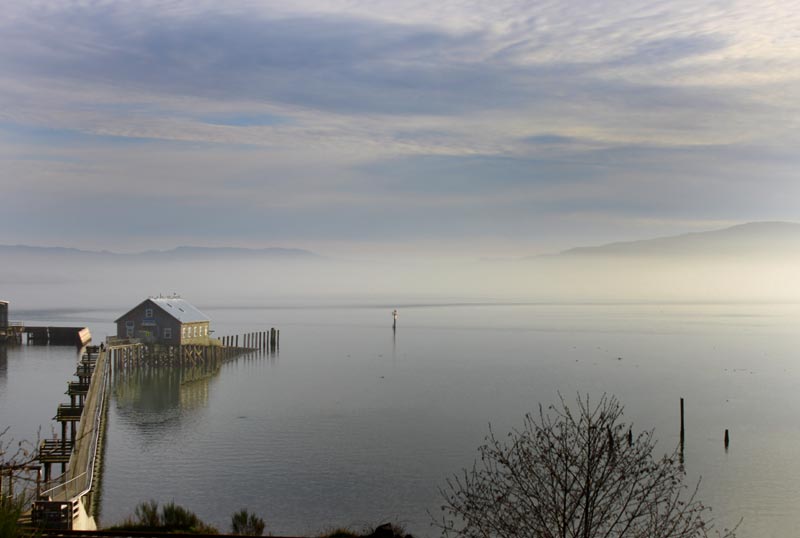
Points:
x=264, y=340
x=214, y=350
x=59, y=450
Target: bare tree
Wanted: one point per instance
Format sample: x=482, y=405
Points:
x=574, y=474
x=18, y=474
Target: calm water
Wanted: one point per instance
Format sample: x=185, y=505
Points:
x=354, y=425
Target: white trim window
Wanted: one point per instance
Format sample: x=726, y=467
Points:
x=148, y=313
x=195, y=330
x=129, y=325
x=167, y=333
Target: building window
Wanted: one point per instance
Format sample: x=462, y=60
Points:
x=167, y=333
x=148, y=313
x=183, y=332
x=195, y=330
x=129, y=328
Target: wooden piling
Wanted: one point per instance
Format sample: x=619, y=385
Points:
x=727, y=439
x=683, y=431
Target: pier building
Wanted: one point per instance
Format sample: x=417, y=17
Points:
x=165, y=320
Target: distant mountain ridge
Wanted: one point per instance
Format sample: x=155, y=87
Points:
x=181, y=252
x=750, y=239
x=188, y=251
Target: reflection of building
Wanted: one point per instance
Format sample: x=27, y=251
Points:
x=165, y=320
x=3, y=315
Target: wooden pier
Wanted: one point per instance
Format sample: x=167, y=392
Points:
x=12, y=332
x=130, y=352
x=66, y=500
x=57, y=336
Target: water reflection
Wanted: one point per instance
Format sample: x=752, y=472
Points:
x=394, y=345
x=3, y=365
x=162, y=394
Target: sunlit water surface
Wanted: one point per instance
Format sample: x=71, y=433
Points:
x=354, y=425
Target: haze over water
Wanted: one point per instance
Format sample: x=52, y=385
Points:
x=434, y=157
x=352, y=424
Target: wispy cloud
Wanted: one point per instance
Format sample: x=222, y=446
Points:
x=313, y=119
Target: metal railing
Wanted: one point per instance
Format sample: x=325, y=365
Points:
x=81, y=484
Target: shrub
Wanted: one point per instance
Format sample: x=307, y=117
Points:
x=171, y=518
x=245, y=523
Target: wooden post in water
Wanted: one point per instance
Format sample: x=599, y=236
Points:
x=727, y=440
x=683, y=431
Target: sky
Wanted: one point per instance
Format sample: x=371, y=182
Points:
x=367, y=127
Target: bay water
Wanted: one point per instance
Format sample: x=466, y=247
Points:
x=354, y=424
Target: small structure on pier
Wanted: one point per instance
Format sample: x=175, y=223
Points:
x=9, y=330
x=165, y=320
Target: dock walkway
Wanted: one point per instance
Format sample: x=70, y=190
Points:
x=67, y=503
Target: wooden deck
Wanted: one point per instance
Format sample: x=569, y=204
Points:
x=62, y=502
x=67, y=501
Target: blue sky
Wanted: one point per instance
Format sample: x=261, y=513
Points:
x=502, y=128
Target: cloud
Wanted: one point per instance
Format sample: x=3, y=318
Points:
x=317, y=119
